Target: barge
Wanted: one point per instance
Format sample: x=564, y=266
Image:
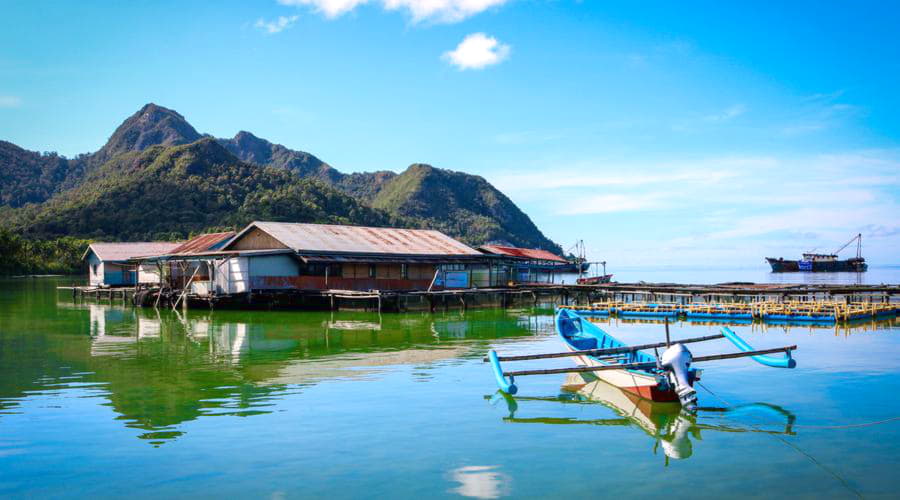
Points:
x=823, y=263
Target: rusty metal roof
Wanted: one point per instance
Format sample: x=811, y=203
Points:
x=390, y=258
x=116, y=252
x=203, y=243
x=327, y=238
x=525, y=253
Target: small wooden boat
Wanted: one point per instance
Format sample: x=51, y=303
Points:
x=581, y=335
x=599, y=277
x=594, y=280
x=666, y=378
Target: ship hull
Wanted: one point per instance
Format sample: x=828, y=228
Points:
x=834, y=266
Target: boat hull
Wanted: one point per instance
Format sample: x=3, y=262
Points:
x=643, y=386
x=833, y=266
x=578, y=335
x=594, y=280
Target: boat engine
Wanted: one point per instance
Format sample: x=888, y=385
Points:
x=677, y=361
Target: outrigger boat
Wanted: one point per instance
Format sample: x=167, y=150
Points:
x=665, y=378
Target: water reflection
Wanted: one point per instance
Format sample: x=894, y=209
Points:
x=480, y=481
x=667, y=424
x=160, y=369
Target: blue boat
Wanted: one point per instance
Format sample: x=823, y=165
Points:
x=667, y=378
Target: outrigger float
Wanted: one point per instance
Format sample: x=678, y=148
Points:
x=666, y=378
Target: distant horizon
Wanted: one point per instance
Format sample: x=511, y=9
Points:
x=660, y=134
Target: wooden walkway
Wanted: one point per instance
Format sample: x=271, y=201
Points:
x=524, y=295
x=94, y=292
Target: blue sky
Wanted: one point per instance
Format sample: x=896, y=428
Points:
x=670, y=133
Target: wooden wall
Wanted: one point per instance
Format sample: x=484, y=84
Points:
x=388, y=271
x=255, y=239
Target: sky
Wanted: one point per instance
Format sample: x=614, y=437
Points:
x=663, y=133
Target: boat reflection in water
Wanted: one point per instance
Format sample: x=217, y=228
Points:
x=669, y=426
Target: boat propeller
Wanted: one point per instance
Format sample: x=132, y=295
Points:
x=677, y=361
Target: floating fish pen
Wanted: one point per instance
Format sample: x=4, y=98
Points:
x=825, y=311
x=628, y=309
x=768, y=311
x=649, y=310
x=730, y=311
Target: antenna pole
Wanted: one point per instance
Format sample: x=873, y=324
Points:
x=667, y=332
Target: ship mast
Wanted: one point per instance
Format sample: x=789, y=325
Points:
x=858, y=240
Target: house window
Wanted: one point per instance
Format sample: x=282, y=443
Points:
x=331, y=270
x=404, y=271
x=94, y=267
x=371, y=270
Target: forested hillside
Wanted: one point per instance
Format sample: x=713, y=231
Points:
x=159, y=178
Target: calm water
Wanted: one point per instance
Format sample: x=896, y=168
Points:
x=109, y=401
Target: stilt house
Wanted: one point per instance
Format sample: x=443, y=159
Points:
x=109, y=263
x=267, y=256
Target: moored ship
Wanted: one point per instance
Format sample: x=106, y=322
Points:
x=823, y=263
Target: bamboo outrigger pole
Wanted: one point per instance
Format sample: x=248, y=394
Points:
x=611, y=350
x=646, y=366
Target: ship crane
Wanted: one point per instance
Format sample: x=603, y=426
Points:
x=858, y=240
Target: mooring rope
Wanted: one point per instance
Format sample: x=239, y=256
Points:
x=844, y=426
x=796, y=448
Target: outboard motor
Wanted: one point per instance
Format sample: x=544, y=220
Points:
x=677, y=360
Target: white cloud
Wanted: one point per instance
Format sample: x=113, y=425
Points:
x=330, y=8
x=820, y=112
x=593, y=174
x=447, y=11
x=728, y=113
x=10, y=101
x=276, y=26
x=609, y=203
x=443, y=11
x=477, y=51
x=730, y=198
x=728, y=211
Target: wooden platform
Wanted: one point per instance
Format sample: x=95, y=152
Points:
x=94, y=292
x=523, y=295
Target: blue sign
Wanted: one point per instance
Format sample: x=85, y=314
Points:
x=453, y=279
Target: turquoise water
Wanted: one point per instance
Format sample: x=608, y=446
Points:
x=103, y=400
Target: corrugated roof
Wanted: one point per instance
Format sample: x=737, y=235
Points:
x=391, y=258
x=112, y=252
x=328, y=238
x=202, y=243
x=525, y=253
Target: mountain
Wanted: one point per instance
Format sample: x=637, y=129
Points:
x=152, y=125
x=168, y=192
x=151, y=177
x=30, y=177
x=459, y=203
x=252, y=149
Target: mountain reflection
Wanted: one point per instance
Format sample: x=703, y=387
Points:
x=160, y=369
x=671, y=428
